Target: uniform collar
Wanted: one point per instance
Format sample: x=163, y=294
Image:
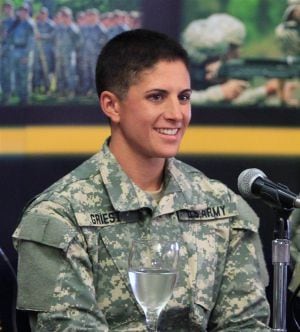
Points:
x=178, y=193
x=123, y=193
x=126, y=196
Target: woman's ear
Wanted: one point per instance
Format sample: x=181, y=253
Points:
x=110, y=105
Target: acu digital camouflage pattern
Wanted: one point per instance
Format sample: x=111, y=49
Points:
x=74, y=239
x=295, y=249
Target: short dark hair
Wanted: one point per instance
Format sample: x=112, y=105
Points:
x=131, y=52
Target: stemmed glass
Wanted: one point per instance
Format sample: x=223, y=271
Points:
x=152, y=269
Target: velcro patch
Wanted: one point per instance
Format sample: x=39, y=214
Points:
x=107, y=218
x=209, y=213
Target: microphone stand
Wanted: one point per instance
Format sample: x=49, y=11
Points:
x=280, y=260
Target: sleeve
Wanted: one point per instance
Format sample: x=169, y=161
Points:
x=55, y=279
x=210, y=95
x=251, y=96
x=241, y=304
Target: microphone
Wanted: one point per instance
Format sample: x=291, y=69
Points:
x=253, y=183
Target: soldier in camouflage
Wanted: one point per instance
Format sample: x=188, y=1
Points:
x=288, y=37
x=209, y=42
x=66, y=43
x=44, y=51
x=8, y=24
x=73, y=240
x=95, y=37
x=23, y=51
x=287, y=32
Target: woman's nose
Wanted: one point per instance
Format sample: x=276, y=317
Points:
x=174, y=110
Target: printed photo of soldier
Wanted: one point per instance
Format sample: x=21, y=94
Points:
x=288, y=35
x=237, y=58
x=66, y=44
x=22, y=53
x=43, y=69
x=218, y=40
x=93, y=38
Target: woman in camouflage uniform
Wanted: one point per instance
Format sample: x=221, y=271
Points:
x=73, y=239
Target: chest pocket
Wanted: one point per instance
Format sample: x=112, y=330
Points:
x=206, y=234
x=108, y=236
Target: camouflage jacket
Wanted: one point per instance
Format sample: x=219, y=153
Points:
x=23, y=37
x=73, y=244
x=288, y=36
x=295, y=250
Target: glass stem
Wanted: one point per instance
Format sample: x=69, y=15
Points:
x=152, y=320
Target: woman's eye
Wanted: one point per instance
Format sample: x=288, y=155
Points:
x=156, y=97
x=185, y=97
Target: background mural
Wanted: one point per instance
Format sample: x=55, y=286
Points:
x=49, y=48
x=52, y=129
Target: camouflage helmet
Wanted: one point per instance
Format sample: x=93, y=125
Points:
x=202, y=41
x=7, y=3
x=288, y=12
x=233, y=30
x=293, y=2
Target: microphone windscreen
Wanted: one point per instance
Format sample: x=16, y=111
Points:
x=246, y=179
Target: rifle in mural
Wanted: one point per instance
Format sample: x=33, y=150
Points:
x=248, y=69
x=282, y=69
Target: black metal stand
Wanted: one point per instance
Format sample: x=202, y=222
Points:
x=280, y=260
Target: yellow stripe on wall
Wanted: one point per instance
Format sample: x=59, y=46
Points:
x=52, y=139
x=262, y=141
x=278, y=141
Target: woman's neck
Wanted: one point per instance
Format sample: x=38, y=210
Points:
x=146, y=173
